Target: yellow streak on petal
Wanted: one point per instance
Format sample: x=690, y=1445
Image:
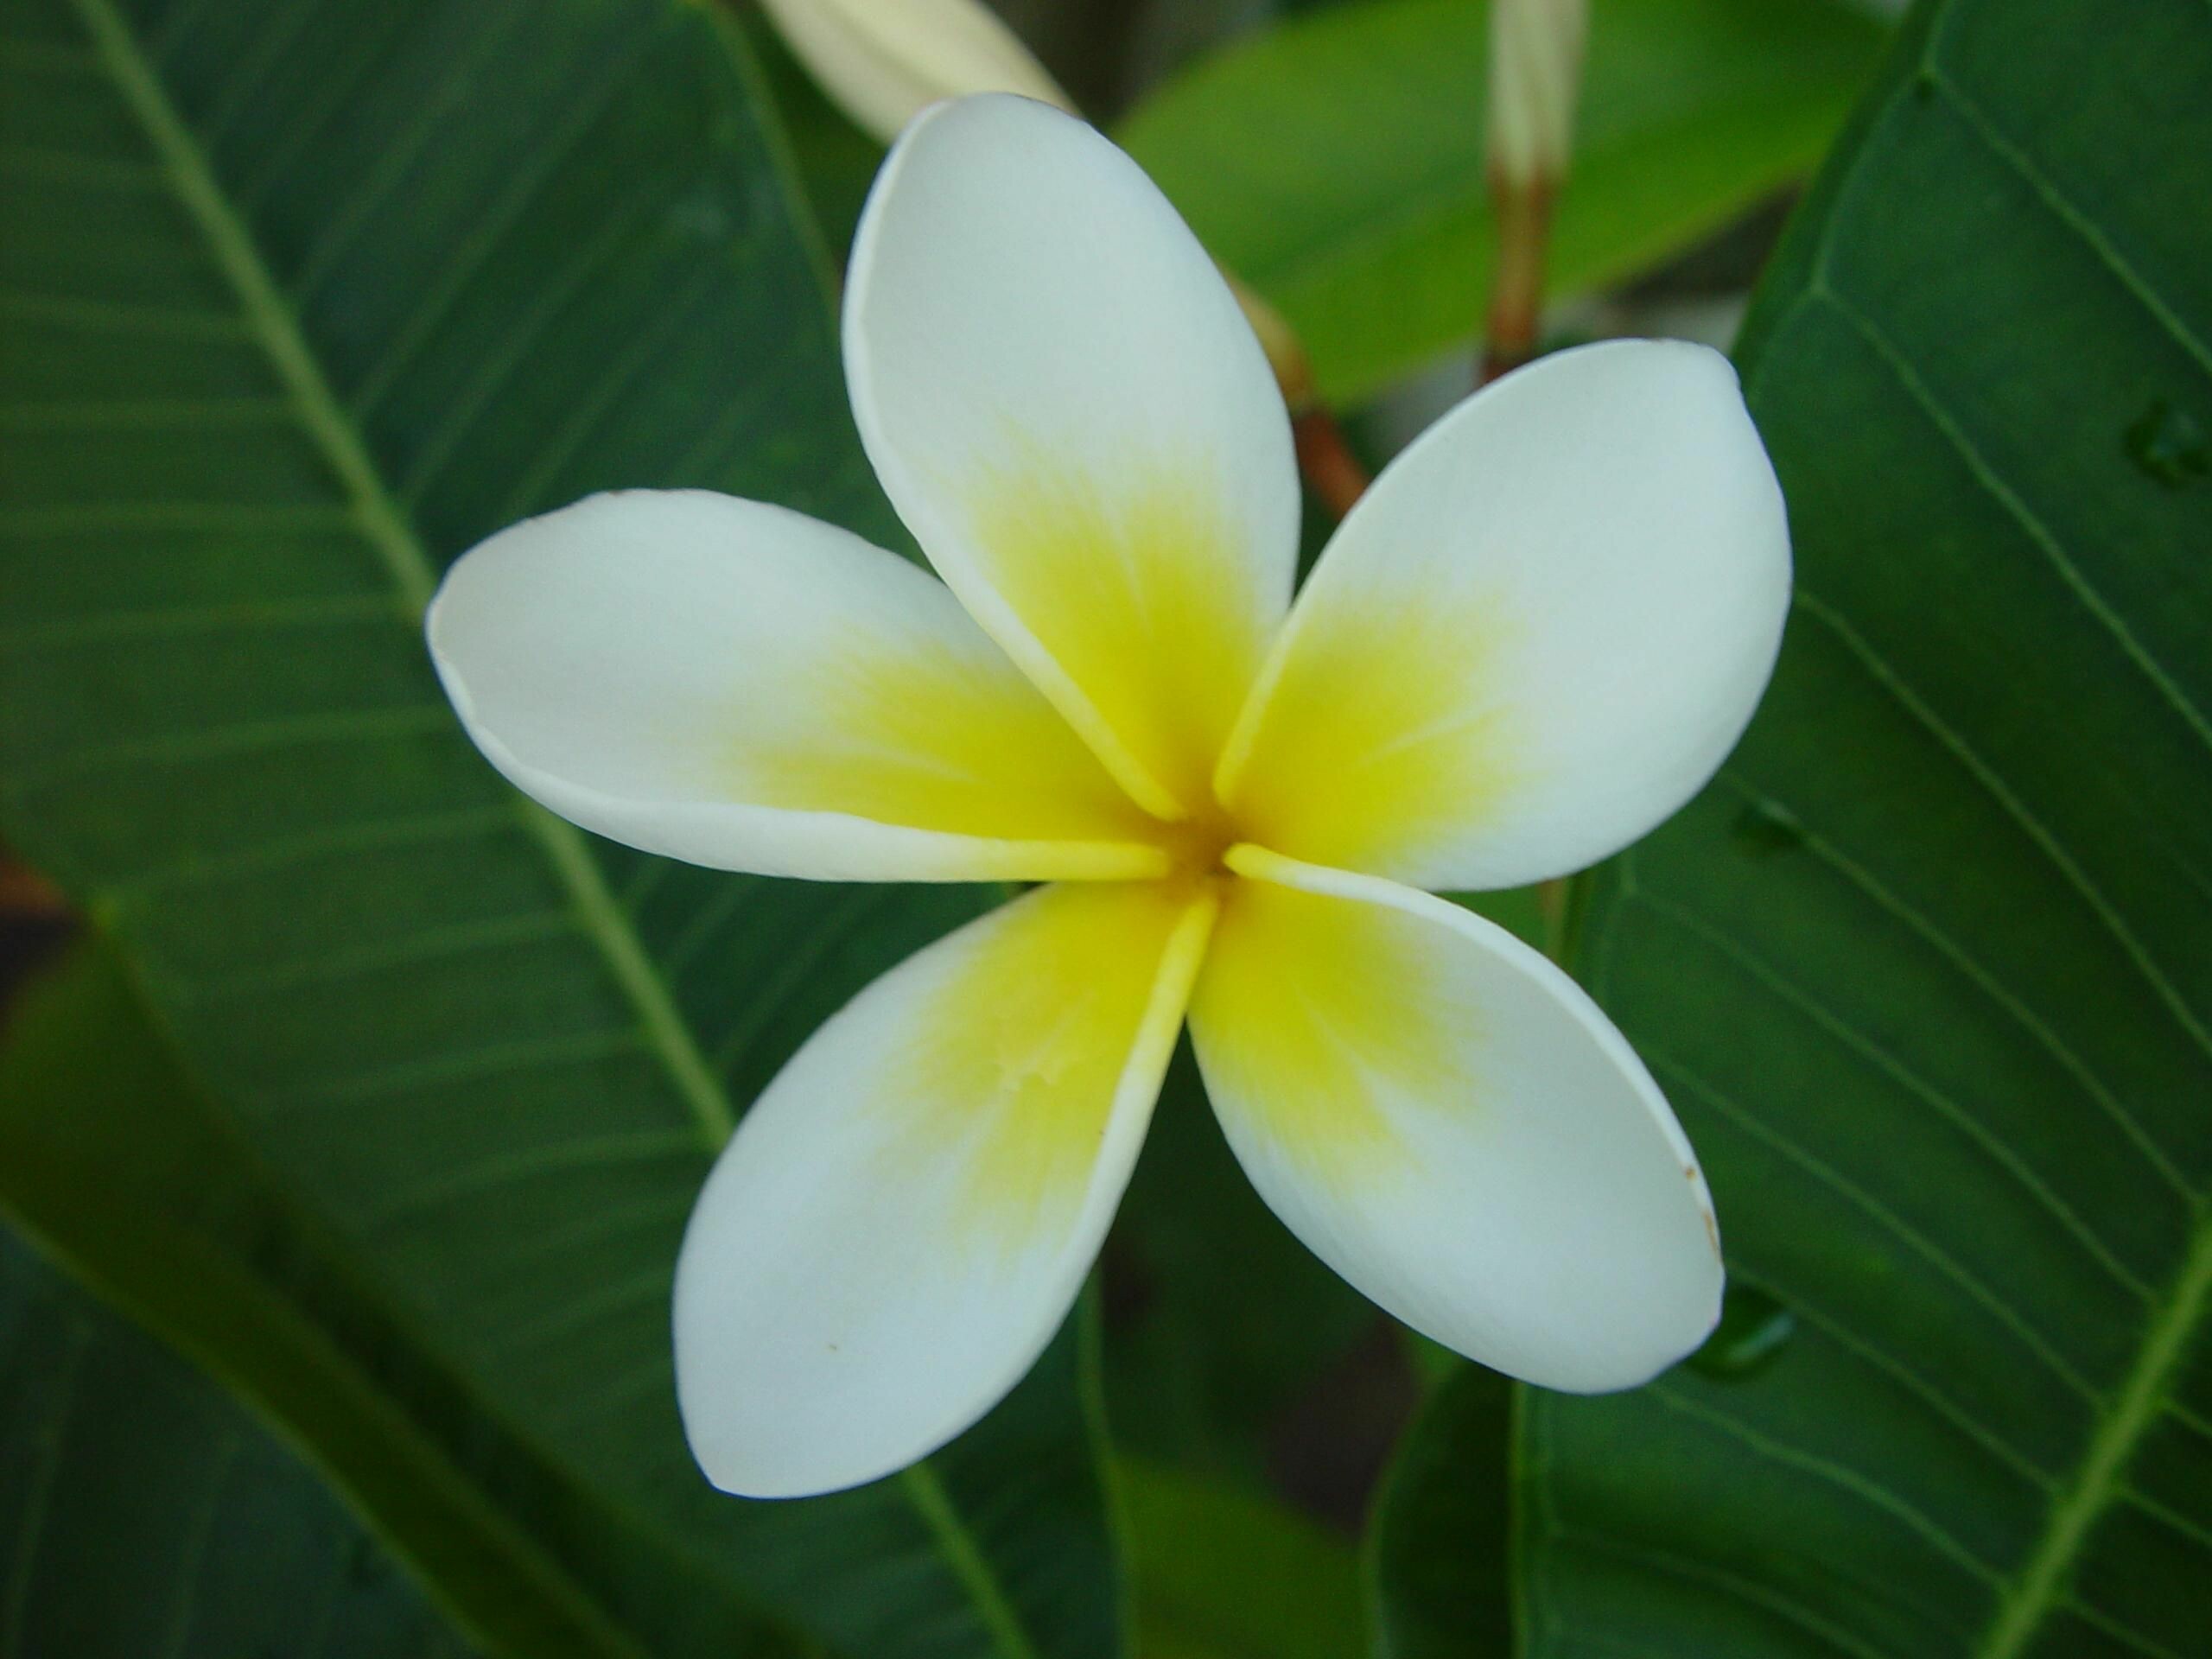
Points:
x=942, y=740
x=1142, y=597
x=1318, y=1020
x=1073, y=1002
x=1377, y=733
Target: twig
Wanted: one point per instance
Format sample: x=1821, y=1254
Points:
x=1517, y=295
x=1331, y=469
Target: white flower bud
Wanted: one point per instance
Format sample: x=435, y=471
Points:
x=884, y=61
x=1535, y=67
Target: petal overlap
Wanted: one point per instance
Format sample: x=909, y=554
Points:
x=1068, y=409
x=1535, y=638
x=1449, y=1122
x=747, y=688
x=904, y=1218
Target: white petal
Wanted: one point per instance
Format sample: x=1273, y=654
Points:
x=744, y=687
x=1070, y=413
x=1536, y=636
x=1448, y=1122
x=903, y=1220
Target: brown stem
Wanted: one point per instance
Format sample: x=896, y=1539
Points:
x=1331, y=471
x=1516, y=295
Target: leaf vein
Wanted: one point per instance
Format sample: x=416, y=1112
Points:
x=1830, y=854
x=396, y=154
x=1864, y=1487
x=39, y=1491
x=1776, y=984
x=1999, y=1450
x=2124, y=1423
x=1886, y=675
x=1889, y=1222
x=1753, y=1594
x=552, y=147
x=199, y=1536
x=412, y=949
x=2047, y=194
x=468, y=1065
x=457, y=416
x=2045, y=540
x=2121, y=1631
x=504, y=1169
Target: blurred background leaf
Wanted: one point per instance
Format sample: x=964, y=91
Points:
x=1439, y=1552
x=1336, y=163
x=1925, y=971
x=1333, y=155
x=1222, y=1574
x=1219, y=1319
x=297, y=302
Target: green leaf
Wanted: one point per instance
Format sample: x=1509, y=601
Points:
x=1336, y=163
x=146, y=1513
x=1224, y=1574
x=116, y=1168
x=835, y=161
x=297, y=302
x=1438, y=1546
x=1222, y=1317
x=1926, y=970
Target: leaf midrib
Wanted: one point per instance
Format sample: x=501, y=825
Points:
x=387, y=530
x=383, y=523
x=2041, y=1585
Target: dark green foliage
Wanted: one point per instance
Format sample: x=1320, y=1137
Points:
x=297, y=300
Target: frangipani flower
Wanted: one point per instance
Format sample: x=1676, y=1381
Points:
x=1534, y=639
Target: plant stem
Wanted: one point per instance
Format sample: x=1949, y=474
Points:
x=1331, y=469
x=1523, y=209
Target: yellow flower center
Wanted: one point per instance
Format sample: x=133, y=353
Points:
x=1196, y=844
